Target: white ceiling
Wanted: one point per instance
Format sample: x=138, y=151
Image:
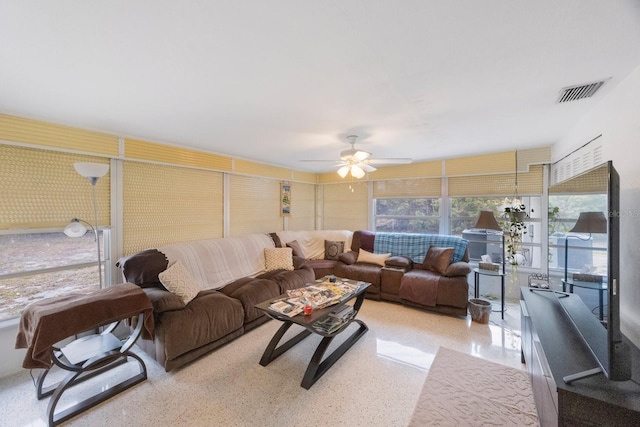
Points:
x=277, y=81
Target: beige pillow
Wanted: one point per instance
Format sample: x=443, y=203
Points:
x=371, y=258
x=437, y=259
x=177, y=280
x=278, y=259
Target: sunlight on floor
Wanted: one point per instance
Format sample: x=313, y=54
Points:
x=404, y=354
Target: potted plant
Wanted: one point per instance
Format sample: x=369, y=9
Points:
x=515, y=227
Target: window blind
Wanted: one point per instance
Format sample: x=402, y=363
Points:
x=482, y=164
x=254, y=205
x=346, y=206
x=27, y=131
x=303, y=202
x=429, y=187
x=502, y=184
x=592, y=182
x=41, y=189
x=166, y=204
x=135, y=149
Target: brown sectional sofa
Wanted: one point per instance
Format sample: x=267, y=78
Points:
x=233, y=276
x=403, y=278
x=220, y=312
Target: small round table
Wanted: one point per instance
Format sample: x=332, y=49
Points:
x=477, y=272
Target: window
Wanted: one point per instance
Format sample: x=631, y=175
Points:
x=45, y=264
x=464, y=214
x=586, y=253
x=408, y=215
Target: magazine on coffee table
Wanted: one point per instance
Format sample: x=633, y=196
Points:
x=317, y=296
x=288, y=306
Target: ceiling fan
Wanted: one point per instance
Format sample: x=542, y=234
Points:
x=358, y=162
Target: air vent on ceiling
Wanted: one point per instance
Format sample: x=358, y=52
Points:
x=574, y=93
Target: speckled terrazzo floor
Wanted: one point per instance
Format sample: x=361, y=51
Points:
x=376, y=383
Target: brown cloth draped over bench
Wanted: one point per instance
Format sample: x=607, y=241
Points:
x=51, y=320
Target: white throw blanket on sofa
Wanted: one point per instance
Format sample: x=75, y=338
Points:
x=215, y=263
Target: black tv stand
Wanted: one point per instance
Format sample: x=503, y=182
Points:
x=554, y=349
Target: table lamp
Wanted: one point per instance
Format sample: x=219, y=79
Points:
x=487, y=221
x=588, y=222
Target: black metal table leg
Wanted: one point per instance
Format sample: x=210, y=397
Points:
x=272, y=352
x=317, y=367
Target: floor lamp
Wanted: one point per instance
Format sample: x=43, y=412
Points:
x=588, y=222
x=487, y=221
x=91, y=171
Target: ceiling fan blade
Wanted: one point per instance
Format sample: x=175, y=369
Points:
x=366, y=167
x=390, y=161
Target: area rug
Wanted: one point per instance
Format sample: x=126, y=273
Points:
x=465, y=390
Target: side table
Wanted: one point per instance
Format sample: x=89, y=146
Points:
x=477, y=272
x=598, y=286
x=44, y=324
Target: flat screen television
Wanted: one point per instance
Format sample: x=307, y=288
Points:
x=604, y=338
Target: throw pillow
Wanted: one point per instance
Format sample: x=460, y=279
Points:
x=332, y=250
x=457, y=269
x=371, y=258
x=276, y=240
x=177, y=280
x=438, y=259
x=348, y=257
x=297, y=250
x=278, y=259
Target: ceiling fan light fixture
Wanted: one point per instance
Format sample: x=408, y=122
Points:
x=361, y=155
x=357, y=172
x=354, y=155
x=343, y=171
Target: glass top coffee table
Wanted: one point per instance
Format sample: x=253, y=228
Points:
x=321, y=321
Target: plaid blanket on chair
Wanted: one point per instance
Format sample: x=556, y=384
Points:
x=415, y=246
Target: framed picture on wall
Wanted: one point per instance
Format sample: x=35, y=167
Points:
x=285, y=198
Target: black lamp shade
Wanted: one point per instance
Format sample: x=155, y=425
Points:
x=590, y=222
x=487, y=221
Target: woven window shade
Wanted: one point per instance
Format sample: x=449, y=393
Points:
x=27, y=131
x=260, y=169
x=413, y=170
x=41, y=189
x=303, y=202
x=346, y=206
x=425, y=187
x=143, y=150
x=503, y=184
x=483, y=164
x=167, y=204
x=254, y=205
x=595, y=181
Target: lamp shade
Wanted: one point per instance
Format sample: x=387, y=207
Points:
x=590, y=222
x=91, y=170
x=75, y=229
x=487, y=221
